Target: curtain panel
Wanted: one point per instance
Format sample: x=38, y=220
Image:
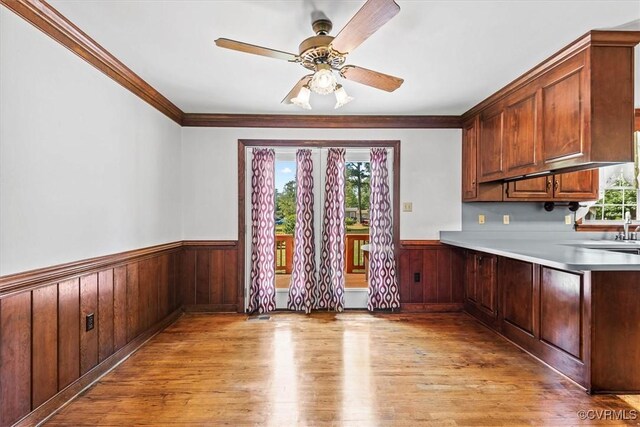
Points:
x=330, y=290
x=262, y=292
x=383, y=284
x=303, y=275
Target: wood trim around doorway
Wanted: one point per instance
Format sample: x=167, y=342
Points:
x=244, y=143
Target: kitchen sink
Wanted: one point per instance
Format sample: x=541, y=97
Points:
x=634, y=251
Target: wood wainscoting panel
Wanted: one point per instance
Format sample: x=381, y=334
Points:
x=88, y=307
x=203, y=288
x=133, y=313
x=105, y=314
x=430, y=276
x=15, y=355
x=209, y=276
x=163, y=287
x=68, y=332
x=44, y=342
x=119, y=307
x=47, y=356
x=188, y=276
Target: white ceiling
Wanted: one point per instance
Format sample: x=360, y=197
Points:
x=452, y=54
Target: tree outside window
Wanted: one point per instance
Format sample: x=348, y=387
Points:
x=619, y=192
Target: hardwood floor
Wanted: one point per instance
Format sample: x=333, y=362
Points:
x=353, y=369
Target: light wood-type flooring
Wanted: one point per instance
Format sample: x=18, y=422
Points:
x=353, y=369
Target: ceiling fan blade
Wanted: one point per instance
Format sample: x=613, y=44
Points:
x=294, y=92
x=371, y=78
x=371, y=16
x=256, y=50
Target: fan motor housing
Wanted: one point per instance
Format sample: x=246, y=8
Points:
x=316, y=50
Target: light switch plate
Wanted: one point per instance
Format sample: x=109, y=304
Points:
x=505, y=219
x=407, y=207
x=480, y=219
x=567, y=219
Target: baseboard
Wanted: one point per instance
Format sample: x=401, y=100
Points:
x=431, y=307
x=62, y=398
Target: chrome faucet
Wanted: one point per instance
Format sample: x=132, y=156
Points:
x=627, y=223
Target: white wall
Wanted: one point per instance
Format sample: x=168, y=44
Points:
x=86, y=167
x=430, y=174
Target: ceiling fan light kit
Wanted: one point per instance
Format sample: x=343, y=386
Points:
x=302, y=100
x=341, y=97
x=323, y=54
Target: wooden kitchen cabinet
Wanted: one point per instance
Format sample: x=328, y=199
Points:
x=581, y=185
x=563, y=114
x=472, y=190
x=481, y=286
x=573, y=111
x=469, y=165
x=491, y=146
x=572, y=186
x=521, y=132
x=585, y=324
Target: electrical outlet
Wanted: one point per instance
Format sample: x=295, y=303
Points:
x=407, y=207
x=505, y=219
x=89, y=322
x=480, y=219
x=567, y=219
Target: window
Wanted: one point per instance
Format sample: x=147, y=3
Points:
x=618, y=193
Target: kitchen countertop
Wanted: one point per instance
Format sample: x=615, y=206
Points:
x=567, y=251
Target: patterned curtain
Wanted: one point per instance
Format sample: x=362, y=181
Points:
x=330, y=290
x=303, y=276
x=262, y=292
x=383, y=285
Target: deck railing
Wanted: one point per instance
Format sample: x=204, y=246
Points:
x=354, y=255
x=284, y=253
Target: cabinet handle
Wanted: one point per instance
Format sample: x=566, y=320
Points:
x=473, y=183
x=548, y=184
x=556, y=184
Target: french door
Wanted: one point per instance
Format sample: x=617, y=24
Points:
x=356, y=214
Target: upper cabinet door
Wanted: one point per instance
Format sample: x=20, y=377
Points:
x=491, y=146
x=522, y=149
x=563, y=113
x=529, y=189
x=580, y=186
x=469, y=160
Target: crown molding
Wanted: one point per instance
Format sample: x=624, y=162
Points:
x=47, y=19
x=319, y=121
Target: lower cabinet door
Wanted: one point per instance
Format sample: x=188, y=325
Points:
x=561, y=314
x=487, y=283
x=518, y=281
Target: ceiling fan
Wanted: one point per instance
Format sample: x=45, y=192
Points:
x=323, y=54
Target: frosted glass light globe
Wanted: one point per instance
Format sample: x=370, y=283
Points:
x=302, y=100
x=323, y=82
